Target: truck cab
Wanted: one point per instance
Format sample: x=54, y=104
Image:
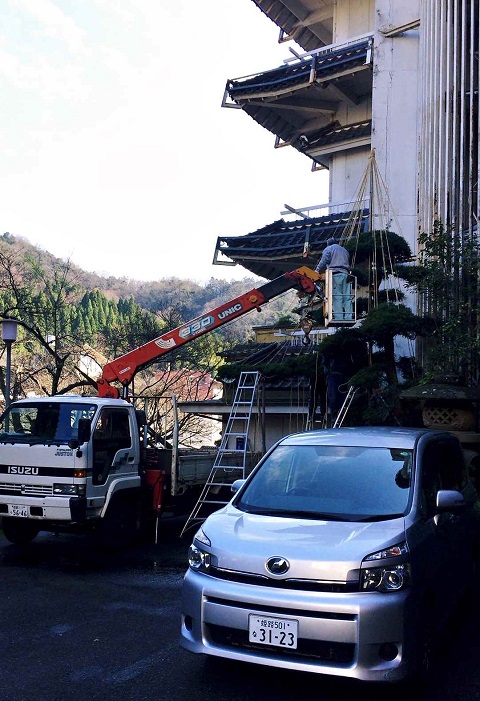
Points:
x=65, y=461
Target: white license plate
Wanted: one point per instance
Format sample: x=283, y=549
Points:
x=16, y=510
x=282, y=632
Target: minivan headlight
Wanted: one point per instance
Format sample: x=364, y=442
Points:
x=200, y=537
x=391, y=577
x=392, y=551
x=385, y=579
x=198, y=560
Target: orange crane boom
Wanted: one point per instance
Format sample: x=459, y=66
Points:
x=123, y=369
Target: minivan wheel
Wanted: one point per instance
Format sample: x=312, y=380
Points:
x=469, y=597
x=425, y=649
x=19, y=531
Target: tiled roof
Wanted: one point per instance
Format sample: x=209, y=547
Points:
x=290, y=99
x=262, y=352
x=283, y=246
x=318, y=68
x=252, y=354
x=287, y=20
x=290, y=383
x=337, y=133
x=320, y=145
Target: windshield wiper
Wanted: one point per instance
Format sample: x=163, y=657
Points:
x=321, y=515
x=293, y=513
x=47, y=441
x=13, y=438
x=378, y=517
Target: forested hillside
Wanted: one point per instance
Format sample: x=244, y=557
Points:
x=187, y=298
x=66, y=314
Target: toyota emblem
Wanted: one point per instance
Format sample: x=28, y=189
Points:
x=277, y=565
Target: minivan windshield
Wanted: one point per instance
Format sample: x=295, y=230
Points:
x=330, y=482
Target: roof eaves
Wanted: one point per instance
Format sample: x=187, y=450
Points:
x=319, y=67
x=290, y=23
x=270, y=251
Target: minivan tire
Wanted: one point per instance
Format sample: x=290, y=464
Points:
x=425, y=650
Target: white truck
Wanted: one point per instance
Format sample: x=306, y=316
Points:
x=72, y=463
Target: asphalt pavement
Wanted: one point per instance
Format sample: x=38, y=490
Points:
x=79, y=625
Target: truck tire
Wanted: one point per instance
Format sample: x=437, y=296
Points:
x=19, y=531
x=118, y=527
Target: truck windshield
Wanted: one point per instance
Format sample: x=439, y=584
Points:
x=331, y=482
x=43, y=422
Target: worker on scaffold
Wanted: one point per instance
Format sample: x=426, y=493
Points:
x=337, y=259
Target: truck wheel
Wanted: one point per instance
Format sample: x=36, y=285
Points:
x=119, y=525
x=18, y=531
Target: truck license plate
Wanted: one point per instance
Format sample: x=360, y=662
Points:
x=282, y=632
x=17, y=510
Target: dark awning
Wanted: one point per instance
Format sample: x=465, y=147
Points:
x=304, y=21
x=318, y=68
x=321, y=144
x=283, y=246
x=256, y=352
x=298, y=99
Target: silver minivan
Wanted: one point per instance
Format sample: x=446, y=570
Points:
x=343, y=553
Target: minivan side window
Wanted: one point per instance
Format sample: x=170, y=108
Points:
x=451, y=465
x=443, y=468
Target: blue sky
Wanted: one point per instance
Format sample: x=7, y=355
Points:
x=115, y=151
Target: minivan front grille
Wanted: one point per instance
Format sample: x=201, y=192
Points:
x=298, y=584
x=317, y=650
x=327, y=615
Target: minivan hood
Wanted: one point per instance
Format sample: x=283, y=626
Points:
x=315, y=549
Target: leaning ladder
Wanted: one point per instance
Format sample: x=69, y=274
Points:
x=222, y=474
x=345, y=407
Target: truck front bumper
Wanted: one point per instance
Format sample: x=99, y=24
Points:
x=71, y=509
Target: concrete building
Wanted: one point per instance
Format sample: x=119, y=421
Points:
x=448, y=105
x=385, y=95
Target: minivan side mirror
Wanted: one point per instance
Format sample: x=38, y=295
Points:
x=449, y=500
x=237, y=485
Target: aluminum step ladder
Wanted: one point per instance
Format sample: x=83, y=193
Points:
x=345, y=407
x=222, y=474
